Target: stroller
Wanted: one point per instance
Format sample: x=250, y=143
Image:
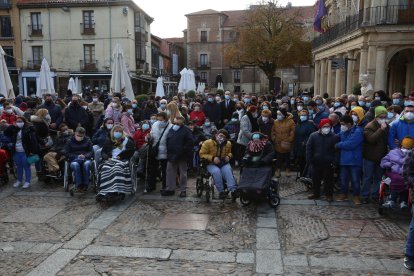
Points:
x=392, y=183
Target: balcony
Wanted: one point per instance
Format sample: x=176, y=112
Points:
x=35, y=30
x=236, y=80
x=203, y=65
x=374, y=16
x=87, y=29
x=33, y=64
x=89, y=65
x=5, y=4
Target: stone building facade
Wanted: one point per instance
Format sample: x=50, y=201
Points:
x=374, y=37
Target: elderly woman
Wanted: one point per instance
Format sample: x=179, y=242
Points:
x=197, y=115
x=114, y=110
x=115, y=175
x=127, y=120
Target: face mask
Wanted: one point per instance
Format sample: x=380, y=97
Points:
x=318, y=102
x=395, y=101
x=246, y=100
x=210, y=100
x=344, y=128
x=162, y=106
x=311, y=112
x=300, y=107
x=368, y=105
x=234, y=119
x=390, y=115
x=197, y=108
x=220, y=139
x=381, y=121
x=66, y=132
x=145, y=127
x=176, y=127
x=109, y=126
x=85, y=107
x=407, y=103
x=326, y=130
x=280, y=117
x=130, y=111
x=79, y=139
x=254, y=115
x=409, y=116
x=152, y=121
x=227, y=97
x=114, y=105
x=265, y=107
x=9, y=111
x=303, y=118
x=405, y=151
x=20, y=124
x=337, y=104
x=292, y=102
x=355, y=118
x=236, y=100
x=48, y=118
x=207, y=124
x=95, y=100
x=256, y=136
x=117, y=135
x=134, y=105
x=377, y=98
x=361, y=103
x=162, y=123
x=305, y=99
x=353, y=106
x=265, y=119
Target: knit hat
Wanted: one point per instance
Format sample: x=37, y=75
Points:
x=324, y=122
x=380, y=110
x=359, y=111
x=283, y=111
x=407, y=142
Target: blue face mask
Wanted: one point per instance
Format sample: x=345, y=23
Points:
x=153, y=122
x=352, y=107
x=176, y=127
x=256, y=136
x=134, y=105
x=145, y=127
x=305, y=99
x=207, y=124
x=265, y=107
x=227, y=97
x=303, y=118
x=117, y=135
x=337, y=104
x=368, y=104
x=210, y=100
x=318, y=102
x=162, y=106
x=395, y=101
x=407, y=103
x=361, y=103
x=246, y=100
x=390, y=115
x=280, y=117
x=130, y=111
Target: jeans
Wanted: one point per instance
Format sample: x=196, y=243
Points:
x=81, y=171
x=352, y=173
x=372, y=174
x=222, y=173
x=21, y=163
x=409, y=247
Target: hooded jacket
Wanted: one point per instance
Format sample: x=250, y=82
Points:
x=399, y=129
x=350, y=147
x=283, y=131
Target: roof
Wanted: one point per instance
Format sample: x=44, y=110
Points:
x=175, y=39
x=234, y=18
x=203, y=12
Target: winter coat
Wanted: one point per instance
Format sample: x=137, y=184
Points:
x=9, y=118
x=148, y=111
x=211, y=149
x=97, y=109
x=350, y=147
x=265, y=128
x=213, y=112
x=394, y=161
x=61, y=141
x=179, y=144
x=75, y=115
x=245, y=134
x=283, y=132
x=375, y=142
x=226, y=113
x=101, y=136
x=125, y=155
x=302, y=132
x=156, y=132
x=198, y=117
x=319, y=116
x=209, y=131
x=127, y=121
x=137, y=114
x=233, y=129
x=408, y=171
x=399, y=129
x=29, y=138
x=320, y=149
x=264, y=157
x=113, y=113
x=55, y=112
x=74, y=148
x=139, y=137
x=42, y=129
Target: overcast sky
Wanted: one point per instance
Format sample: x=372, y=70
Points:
x=169, y=19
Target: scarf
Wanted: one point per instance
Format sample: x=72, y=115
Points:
x=256, y=146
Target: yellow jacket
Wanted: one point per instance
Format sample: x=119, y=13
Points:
x=211, y=149
x=283, y=132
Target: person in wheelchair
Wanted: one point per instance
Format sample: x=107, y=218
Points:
x=217, y=152
x=78, y=151
x=114, y=172
x=259, y=152
x=56, y=153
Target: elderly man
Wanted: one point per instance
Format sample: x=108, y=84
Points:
x=55, y=112
x=402, y=127
x=227, y=106
x=397, y=99
x=75, y=115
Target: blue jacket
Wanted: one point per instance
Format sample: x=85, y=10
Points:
x=100, y=137
x=302, y=132
x=319, y=116
x=350, y=146
x=399, y=130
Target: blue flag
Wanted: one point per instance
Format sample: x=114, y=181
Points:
x=320, y=13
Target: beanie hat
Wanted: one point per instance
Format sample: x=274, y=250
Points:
x=380, y=110
x=283, y=111
x=407, y=142
x=359, y=111
x=324, y=122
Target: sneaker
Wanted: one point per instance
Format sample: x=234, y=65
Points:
x=403, y=205
x=313, y=196
x=389, y=204
x=356, y=200
x=409, y=263
x=365, y=200
x=16, y=184
x=26, y=185
x=341, y=197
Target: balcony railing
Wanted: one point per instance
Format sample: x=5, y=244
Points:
x=88, y=65
x=35, y=30
x=5, y=4
x=33, y=64
x=374, y=16
x=203, y=65
x=87, y=29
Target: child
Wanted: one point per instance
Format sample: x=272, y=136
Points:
x=393, y=162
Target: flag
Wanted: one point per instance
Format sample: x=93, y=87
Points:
x=320, y=13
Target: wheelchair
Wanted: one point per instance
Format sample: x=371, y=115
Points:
x=49, y=176
x=68, y=177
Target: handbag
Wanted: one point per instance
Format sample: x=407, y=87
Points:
x=33, y=159
x=155, y=148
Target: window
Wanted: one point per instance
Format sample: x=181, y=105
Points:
x=89, y=53
x=88, y=22
x=9, y=56
x=5, y=27
x=203, y=77
x=203, y=36
x=37, y=52
x=36, y=23
x=237, y=76
x=237, y=89
x=203, y=59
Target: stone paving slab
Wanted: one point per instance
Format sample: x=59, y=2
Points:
x=40, y=248
x=297, y=202
x=245, y=258
x=18, y=246
x=201, y=255
x=104, y=220
x=130, y=252
x=32, y=215
x=267, y=238
x=295, y=260
x=394, y=265
x=345, y=262
x=82, y=239
x=54, y=263
x=266, y=222
x=269, y=261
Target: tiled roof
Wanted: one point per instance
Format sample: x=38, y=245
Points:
x=175, y=39
x=234, y=18
x=209, y=11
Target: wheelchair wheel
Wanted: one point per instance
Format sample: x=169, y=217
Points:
x=93, y=176
x=66, y=177
x=199, y=187
x=244, y=200
x=274, y=201
x=208, y=195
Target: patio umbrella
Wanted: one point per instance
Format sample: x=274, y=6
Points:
x=6, y=86
x=220, y=86
x=120, y=80
x=72, y=85
x=159, y=91
x=45, y=80
x=191, y=80
x=183, y=84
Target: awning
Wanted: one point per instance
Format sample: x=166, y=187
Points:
x=97, y=74
x=144, y=78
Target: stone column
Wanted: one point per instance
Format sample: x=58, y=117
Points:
x=322, y=84
x=338, y=81
x=380, y=69
x=350, y=73
x=363, y=61
x=316, y=87
x=329, y=82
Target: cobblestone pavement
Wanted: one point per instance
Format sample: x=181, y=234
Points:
x=44, y=231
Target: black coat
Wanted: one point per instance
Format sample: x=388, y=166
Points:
x=227, y=112
x=124, y=155
x=55, y=113
x=302, y=132
x=29, y=138
x=320, y=149
x=179, y=144
x=75, y=115
x=213, y=112
x=74, y=148
x=100, y=137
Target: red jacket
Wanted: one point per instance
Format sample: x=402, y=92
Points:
x=139, y=138
x=198, y=117
x=10, y=118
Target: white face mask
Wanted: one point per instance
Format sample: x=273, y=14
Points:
x=344, y=128
x=381, y=121
x=95, y=100
x=109, y=126
x=405, y=151
x=409, y=116
x=326, y=130
x=300, y=107
x=85, y=107
x=9, y=111
x=20, y=125
x=355, y=118
x=265, y=119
